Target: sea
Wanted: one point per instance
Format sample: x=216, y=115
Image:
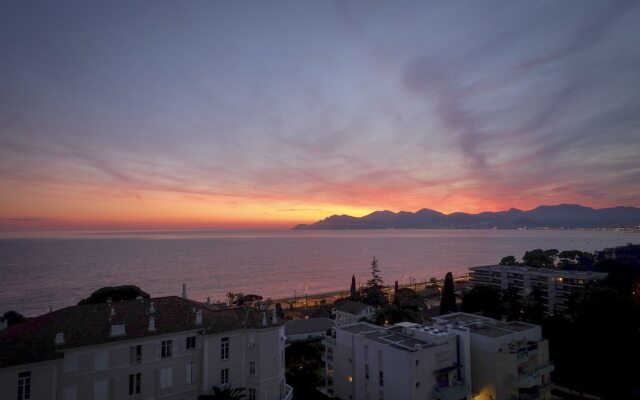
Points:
x=56, y=270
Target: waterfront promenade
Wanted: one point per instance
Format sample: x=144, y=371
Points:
x=429, y=289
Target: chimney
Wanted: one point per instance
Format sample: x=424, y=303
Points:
x=152, y=324
x=118, y=330
x=152, y=308
x=199, y=317
x=184, y=290
x=274, y=317
x=59, y=339
x=264, y=318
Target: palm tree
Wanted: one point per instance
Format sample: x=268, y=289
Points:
x=224, y=394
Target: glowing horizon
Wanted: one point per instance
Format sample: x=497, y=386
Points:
x=163, y=115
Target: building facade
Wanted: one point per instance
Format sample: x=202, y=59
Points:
x=459, y=356
x=404, y=361
x=555, y=285
x=164, y=348
x=509, y=360
x=351, y=311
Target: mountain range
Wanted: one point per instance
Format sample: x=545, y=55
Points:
x=556, y=216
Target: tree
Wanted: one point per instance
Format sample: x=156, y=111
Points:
x=224, y=394
x=396, y=298
x=115, y=293
x=433, y=281
x=485, y=299
x=448, y=301
x=13, y=317
x=354, y=291
x=533, y=308
x=540, y=258
x=376, y=279
x=508, y=260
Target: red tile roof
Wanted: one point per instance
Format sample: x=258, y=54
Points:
x=33, y=340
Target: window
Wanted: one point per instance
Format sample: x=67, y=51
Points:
x=252, y=394
x=224, y=348
x=134, y=384
x=135, y=354
x=166, y=349
x=381, y=378
x=101, y=390
x=224, y=376
x=252, y=367
x=70, y=393
x=191, y=342
x=101, y=360
x=24, y=385
x=166, y=378
x=189, y=373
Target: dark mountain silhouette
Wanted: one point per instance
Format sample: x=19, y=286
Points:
x=558, y=216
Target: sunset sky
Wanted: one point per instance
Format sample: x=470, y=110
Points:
x=157, y=114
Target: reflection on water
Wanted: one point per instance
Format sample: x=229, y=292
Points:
x=36, y=273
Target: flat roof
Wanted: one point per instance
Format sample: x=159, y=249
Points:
x=484, y=326
x=550, y=271
x=393, y=336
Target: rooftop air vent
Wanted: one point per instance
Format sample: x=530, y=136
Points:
x=59, y=339
x=118, y=330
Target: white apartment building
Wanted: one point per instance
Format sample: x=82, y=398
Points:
x=404, y=361
x=163, y=348
x=459, y=356
x=509, y=360
x=555, y=285
x=351, y=311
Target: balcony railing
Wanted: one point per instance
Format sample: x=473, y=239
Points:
x=288, y=393
x=454, y=392
x=525, y=380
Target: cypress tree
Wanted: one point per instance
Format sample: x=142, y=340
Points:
x=354, y=293
x=396, y=297
x=448, y=301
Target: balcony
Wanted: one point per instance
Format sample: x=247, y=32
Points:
x=454, y=392
x=544, y=369
x=525, y=381
x=287, y=393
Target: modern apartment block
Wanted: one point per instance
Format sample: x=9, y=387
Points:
x=163, y=348
x=459, y=356
x=404, y=361
x=555, y=285
x=509, y=360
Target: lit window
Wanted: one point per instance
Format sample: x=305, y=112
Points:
x=24, y=386
x=349, y=378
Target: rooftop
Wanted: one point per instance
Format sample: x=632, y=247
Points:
x=34, y=339
x=393, y=336
x=353, y=307
x=307, y=325
x=484, y=326
x=543, y=271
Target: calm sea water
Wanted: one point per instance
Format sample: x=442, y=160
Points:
x=57, y=272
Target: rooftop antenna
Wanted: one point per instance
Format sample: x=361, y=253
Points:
x=184, y=290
